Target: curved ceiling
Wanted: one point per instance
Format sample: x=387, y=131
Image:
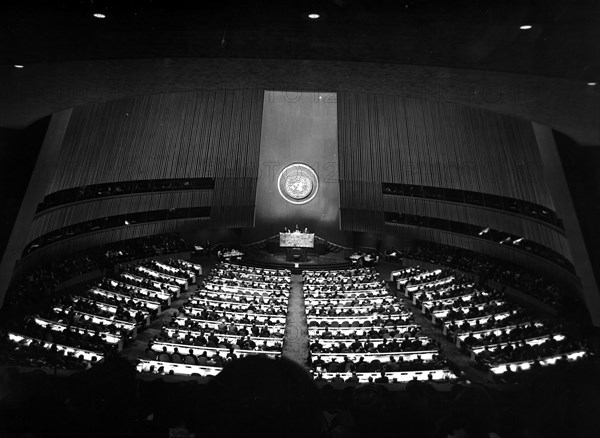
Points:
x=484, y=36
x=475, y=34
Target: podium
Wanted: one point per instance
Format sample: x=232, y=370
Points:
x=296, y=254
x=296, y=245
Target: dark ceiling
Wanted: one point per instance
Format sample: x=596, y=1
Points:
x=472, y=34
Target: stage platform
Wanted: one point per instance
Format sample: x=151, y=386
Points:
x=265, y=259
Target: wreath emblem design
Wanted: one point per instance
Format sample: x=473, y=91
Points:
x=298, y=183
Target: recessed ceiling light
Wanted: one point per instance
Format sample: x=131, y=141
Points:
x=18, y=66
x=591, y=84
x=314, y=16
x=526, y=27
x=99, y=15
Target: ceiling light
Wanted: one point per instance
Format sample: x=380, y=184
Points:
x=526, y=27
x=99, y=15
x=18, y=66
x=591, y=84
x=314, y=16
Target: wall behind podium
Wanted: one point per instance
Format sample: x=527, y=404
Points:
x=298, y=127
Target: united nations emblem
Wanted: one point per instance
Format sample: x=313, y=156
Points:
x=298, y=183
x=298, y=186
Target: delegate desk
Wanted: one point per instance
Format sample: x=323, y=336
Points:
x=328, y=343
x=150, y=305
x=230, y=255
x=173, y=270
x=179, y=369
x=107, y=337
x=400, y=274
x=216, y=287
x=260, y=317
x=479, y=319
x=361, y=259
x=317, y=332
x=411, y=289
x=171, y=288
x=309, y=301
x=214, y=325
x=111, y=308
x=406, y=356
x=182, y=282
x=341, y=319
x=445, y=295
x=440, y=314
x=163, y=297
x=532, y=341
x=88, y=356
x=480, y=334
x=396, y=376
x=183, y=349
x=421, y=276
x=182, y=334
x=129, y=327
x=526, y=364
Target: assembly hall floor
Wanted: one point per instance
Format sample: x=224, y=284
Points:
x=296, y=342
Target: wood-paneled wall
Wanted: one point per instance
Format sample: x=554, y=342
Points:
x=212, y=134
x=410, y=141
x=177, y=135
x=536, y=231
x=64, y=216
x=99, y=238
x=395, y=139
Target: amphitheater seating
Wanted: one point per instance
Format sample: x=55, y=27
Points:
x=236, y=305
x=385, y=316
x=485, y=324
x=101, y=318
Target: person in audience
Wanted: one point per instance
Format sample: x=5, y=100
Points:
x=382, y=378
x=202, y=359
x=353, y=378
x=337, y=378
x=258, y=396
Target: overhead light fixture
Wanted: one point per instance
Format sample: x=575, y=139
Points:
x=98, y=15
x=314, y=16
x=591, y=84
x=485, y=230
x=126, y=222
x=526, y=27
x=18, y=66
x=519, y=240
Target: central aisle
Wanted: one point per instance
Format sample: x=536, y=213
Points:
x=296, y=343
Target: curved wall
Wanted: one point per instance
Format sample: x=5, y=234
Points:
x=569, y=106
x=209, y=134
x=381, y=139
x=211, y=138
x=397, y=140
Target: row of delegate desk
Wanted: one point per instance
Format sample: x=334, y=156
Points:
x=235, y=281
x=318, y=297
x=421, y=290
x=110, y=330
